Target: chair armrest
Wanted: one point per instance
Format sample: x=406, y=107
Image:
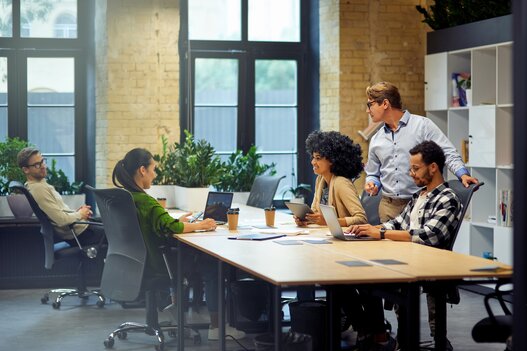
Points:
x=100, y=224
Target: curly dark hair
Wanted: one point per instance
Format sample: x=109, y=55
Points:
x=430, y=152
x=339, y=149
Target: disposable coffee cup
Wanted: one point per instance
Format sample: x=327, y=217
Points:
x=232, y=218
x=269, y=216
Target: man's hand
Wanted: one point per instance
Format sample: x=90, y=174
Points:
x=85, y=212
x=364, y=230
x=467, y=180
x=371, y=188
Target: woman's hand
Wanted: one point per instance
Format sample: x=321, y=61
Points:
x=184, y=217
x=300, y=222
x=316, y=218
x=207, y=224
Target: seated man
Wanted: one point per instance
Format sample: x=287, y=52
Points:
x=33, y=165
x=431, y=215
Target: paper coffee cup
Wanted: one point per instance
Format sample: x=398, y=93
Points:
x=269, y=216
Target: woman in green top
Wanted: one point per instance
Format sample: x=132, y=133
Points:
x=135, y=173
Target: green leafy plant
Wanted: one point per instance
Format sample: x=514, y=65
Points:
x=299, y=191
x=9, y=169
x=240, y=170
x=450, y=13
x=59, y=180
x=192, y=163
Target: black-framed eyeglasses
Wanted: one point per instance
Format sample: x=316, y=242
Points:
x=39, y=164
x=369, y=103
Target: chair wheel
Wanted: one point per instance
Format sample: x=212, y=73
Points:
x=56, y=305
x=197, y=339
x=108, y=343
x=44, y=300
x=160, y=347
x=122, y=335
x=100, y=303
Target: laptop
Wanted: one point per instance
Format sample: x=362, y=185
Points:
x=330, y=215
x=217, y=205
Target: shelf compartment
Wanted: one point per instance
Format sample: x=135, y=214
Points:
x=484, y=76
x=504, y=87
x=484, y=203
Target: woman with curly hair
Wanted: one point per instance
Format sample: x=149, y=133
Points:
x=337, y=161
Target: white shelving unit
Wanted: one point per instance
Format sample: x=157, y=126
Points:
x=487, y=125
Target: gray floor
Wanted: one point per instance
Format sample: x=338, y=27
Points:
x=28, y=325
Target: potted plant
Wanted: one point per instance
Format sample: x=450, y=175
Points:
x=298, y=193
x=10, y=171
x=192, y=166
x=239, y=173
x=71, y=191
x=163, y=187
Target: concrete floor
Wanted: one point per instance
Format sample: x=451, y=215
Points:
x=26, y=324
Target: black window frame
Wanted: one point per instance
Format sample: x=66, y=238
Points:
x=18, y=49
x=305, y=52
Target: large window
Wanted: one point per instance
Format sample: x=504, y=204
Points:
x=43, y=78
x=246, y=67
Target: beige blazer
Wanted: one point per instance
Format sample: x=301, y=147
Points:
x=343, y=196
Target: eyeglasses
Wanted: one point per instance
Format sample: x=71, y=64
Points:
x=414, y=170
x=369, y=103
x=38, y=165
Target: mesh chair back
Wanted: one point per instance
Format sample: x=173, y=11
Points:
x=465, y=195
x=46, y=228
x=371, y=207
x=263, y=190
x=126, y=258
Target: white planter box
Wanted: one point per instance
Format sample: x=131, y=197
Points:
x=5, y=211
x=74, y=201
x=191, y=199
x=164, y=191
x=240, y=197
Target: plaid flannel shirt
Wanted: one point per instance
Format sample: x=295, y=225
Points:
x=438, y=218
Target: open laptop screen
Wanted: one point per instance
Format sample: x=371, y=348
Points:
x=217, y=205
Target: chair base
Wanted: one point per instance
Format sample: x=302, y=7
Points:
x=122, y=333
x=62, y=293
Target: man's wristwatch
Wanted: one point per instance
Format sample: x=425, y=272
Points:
x=382, y=231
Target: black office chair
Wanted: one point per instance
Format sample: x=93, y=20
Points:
x=495, y=328
x=55, y=249
x=124, y=277
x=263, y=190
x=371, y=207
x=465, y=195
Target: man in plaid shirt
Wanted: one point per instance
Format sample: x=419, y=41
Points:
x=431, y=215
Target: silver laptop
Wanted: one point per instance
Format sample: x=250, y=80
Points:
x=330, y=215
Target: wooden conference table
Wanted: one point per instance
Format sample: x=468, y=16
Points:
x=384, y=264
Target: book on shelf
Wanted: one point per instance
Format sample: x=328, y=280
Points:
x=505, y=208
x=464, y=150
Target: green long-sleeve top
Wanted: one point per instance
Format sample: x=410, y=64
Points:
x=157, y=227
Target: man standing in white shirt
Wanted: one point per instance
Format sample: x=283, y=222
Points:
x=388, y=155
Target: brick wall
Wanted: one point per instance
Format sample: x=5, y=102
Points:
x=377, y=40
x=137, y=86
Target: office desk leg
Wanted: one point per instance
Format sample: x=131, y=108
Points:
x=441, y=319
x=334, y=318
x=179, y=298
x=277, y=317
x=221, y=304
x=413, y=320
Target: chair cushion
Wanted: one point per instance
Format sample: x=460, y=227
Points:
x=487, y=331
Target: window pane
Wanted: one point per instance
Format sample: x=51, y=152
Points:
x=66, y=163
x=66, y=26
x=274, y=20
x=276, y=82
x=285, y=165
x=39, y=18
x=216, y=81
x=214, y=19
x=51, y=129
x=42, y=84
x=6, y=18
x=3, y=123
x=217, y=125
x=3, y=81
x=275, y=129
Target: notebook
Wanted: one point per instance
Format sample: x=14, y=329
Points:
x=330, y=215
x=217, y=205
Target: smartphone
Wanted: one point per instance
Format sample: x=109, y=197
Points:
x=195, y=217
